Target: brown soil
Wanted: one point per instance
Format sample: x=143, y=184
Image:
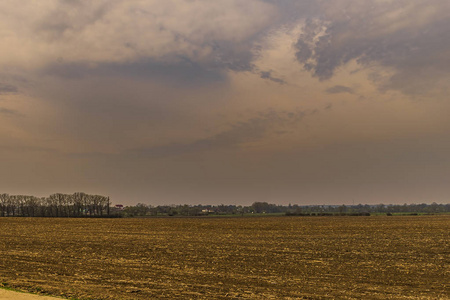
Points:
x=277, y=257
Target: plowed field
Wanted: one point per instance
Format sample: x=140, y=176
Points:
x=404, y=257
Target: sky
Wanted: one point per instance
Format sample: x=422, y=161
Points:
x=228, y=101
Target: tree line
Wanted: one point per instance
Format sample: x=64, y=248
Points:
x=84, y=205
x=56, y=205
x=264, y=207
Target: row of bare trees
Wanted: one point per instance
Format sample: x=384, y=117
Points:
x=55, y=205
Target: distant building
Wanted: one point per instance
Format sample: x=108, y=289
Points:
x=118, y=206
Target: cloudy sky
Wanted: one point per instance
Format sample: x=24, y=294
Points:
x=227, y=101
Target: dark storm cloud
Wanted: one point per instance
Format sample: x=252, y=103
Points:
x=183, y=71
x=6, y=111
x=8, y=89
x=268, y=75
x=236, y=57
x=178, y=68
x=337, y=89
x=411, y=38
x=68, y=70
x=251, y=130
x=204, y=39
x=68, y=17
x=182, y=40
x=292, y=10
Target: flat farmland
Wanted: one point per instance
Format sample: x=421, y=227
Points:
x=378, y=257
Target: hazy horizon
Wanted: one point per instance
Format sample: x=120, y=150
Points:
x=200, y=102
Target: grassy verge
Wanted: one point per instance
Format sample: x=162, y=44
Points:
x=37, y=291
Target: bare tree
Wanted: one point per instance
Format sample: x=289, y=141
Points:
x=55, y=205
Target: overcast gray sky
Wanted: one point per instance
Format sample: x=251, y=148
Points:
x=226, y=101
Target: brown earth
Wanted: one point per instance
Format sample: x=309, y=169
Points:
x=404, y=257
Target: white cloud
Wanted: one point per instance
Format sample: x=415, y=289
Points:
x=36, y=33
